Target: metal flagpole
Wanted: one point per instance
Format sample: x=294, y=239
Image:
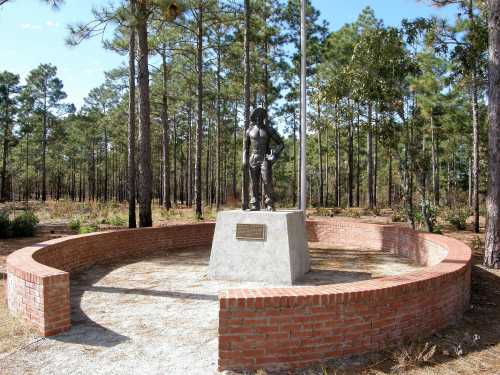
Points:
x=303, y=106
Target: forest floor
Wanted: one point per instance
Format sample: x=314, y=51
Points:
x=472, y=346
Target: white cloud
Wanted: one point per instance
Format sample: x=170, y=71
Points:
x=52, y=24
x=30, y=26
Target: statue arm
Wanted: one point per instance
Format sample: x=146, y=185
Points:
x=280, y=145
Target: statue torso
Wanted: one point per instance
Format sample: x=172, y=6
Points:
x=259, y=140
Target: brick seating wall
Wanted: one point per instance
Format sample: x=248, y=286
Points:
x=295, y=327
x=38, y=276
x=270, y=328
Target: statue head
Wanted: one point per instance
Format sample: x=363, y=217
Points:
x=258, y=117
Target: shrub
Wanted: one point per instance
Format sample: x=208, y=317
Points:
x=321, y=211
x=398, y=215
x=24, y=225
x=412, y=356
x=5, y=225
x=419, y=218
x=88, y=229
x=117, y=221
x=75, y=224
x=458, y=218
x=427, y=215
x=352, y=212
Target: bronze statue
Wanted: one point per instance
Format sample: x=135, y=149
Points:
x=259, y=157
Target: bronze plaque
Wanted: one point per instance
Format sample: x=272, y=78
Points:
x=251, y=232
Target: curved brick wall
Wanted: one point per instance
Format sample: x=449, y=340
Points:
x=295, y=327
x=271, y=328
x=38, y=276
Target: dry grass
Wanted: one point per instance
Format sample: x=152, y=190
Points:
x=14, y=333
x=412, y=356
x=110, y=213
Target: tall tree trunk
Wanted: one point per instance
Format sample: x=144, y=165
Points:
x=235, y=135
x=435, y=162
x=199, y=126
x=190, y=157
x=44, y=153
x=369, y=156
x=165, y=127
x=327, y=168
x=6, y=140
x=358, y=162
x=320, y=158
x=295, y=183
x=218, y=136
x=106, y=172
x=350, y=161
x=93, y=172
x=375, y=165
x=492, y=245
x=448, y=183
x=207, y=166
x=338, y=190
x=145, y=174
x=175, y=153
x=389, y=183
x=475, y=153
x=470, y=184
x=245, y=173
x=80, y=183
x=27, y=188
x=131, y=171
x=475, y=126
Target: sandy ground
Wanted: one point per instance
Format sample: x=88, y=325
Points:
x=160, y=315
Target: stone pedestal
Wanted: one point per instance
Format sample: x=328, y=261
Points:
x=259, y=246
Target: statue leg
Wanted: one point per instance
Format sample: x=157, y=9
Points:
x=255, y=171
x=267, y=178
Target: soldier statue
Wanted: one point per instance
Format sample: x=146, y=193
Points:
x=259, y=157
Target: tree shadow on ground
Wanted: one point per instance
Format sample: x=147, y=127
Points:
x=325, y=277
x=151, y=292
x=86, y=331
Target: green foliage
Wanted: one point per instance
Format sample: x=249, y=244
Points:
x=91, y=228
x=398, y=215
x=24, y=225
x=5, y=227
x=419, y=218
x=352, y=212
x=117, y=221
x=75, y=224
x=427, y=216
x=458, y=218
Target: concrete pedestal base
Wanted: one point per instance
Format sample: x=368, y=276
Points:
x=259, y=246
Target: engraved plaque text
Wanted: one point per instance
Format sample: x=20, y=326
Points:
x=251, y=232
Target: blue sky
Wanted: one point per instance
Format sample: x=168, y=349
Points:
x=31, y=33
